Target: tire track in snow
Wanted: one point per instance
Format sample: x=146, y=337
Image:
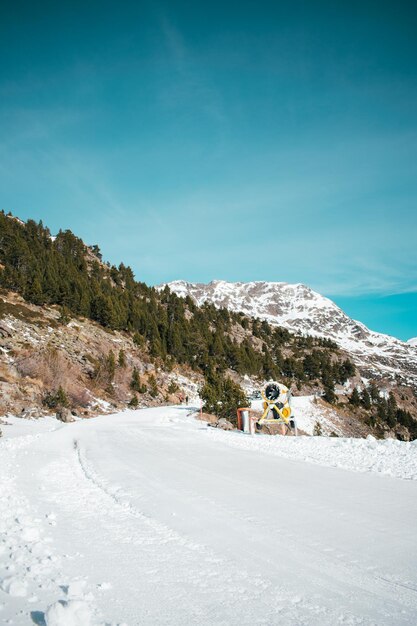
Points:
x=329, y=564
x=351, y=576
x=163, y=532
x=120, y=500
x=237, y=588
x=316, y=556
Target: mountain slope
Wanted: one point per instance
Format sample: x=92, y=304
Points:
x=50, y=285
x=65, y=286
x=304, y=311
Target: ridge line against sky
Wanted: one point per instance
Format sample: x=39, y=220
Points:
x=269, y=141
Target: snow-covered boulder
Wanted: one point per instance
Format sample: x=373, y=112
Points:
x=224, y=424
x=64, y=415
x=70, y=613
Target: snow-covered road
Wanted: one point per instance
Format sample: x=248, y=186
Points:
x=150, y=517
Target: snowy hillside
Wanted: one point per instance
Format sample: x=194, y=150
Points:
x=413, y=341
x=304, y=311
x=151, y=517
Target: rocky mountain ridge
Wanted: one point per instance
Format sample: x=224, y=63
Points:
x=304, y=311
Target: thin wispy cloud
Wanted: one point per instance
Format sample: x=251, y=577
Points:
x=237, y=143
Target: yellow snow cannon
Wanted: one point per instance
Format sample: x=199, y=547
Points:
x=276, y=404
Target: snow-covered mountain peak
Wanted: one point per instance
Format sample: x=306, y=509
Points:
x=303, y=311
x=282, y=303
x=412, y=342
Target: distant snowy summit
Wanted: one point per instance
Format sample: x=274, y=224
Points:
x=412, y=342
x=306, y=312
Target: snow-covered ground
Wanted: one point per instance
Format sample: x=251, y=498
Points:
x=307, y=413
x=151, y=517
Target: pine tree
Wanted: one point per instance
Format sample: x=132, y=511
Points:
x=134, y=402
x=317, y=431
x=355, y=399
x=222, y=396
x=61, y=397
x=121, y=361
x=153, y=386
x=329, y=394
x=382, y=410
x=138, y=339
x=58, y=399
x=374, y=392
x=172, y=387
x=135, y=383
x=366, y=399
x=34, y=292
x=64, y=316
x=103, y=310
x=111, y=365
x=391, y=410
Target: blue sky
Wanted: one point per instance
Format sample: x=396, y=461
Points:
x=237, y=140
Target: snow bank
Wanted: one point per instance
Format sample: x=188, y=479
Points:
x=307, y=412
x=389, y=457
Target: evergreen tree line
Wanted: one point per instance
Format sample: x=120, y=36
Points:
x=382, y=410
x=222, y=396
x=62, y=271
